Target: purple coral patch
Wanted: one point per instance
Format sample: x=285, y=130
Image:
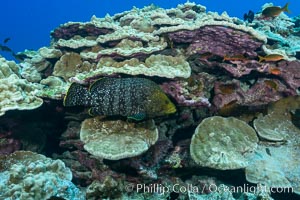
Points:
x=218, y=40
x=68, y=31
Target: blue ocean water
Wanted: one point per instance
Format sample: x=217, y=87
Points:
x=28, y=23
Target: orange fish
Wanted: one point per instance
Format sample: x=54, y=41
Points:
x=274, y=11
x=234, y=58
x=275, y=71
x=271, y=57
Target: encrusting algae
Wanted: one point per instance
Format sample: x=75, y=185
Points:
x=136, y=98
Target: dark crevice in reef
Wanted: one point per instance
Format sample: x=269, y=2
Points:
x=37, y=130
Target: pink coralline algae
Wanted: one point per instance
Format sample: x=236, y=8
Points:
x=217, y=40
x=67, y=32
x=264, y=91
x=290, y=73
x=184, y=95
x=241, y=68
x=8, y=146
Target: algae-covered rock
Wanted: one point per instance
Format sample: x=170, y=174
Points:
x=109, y=188
x=284, y=106
x=273, y=128
x=226, y=192
x=276, y=167
x=223, y=143
x=115, y=140
x=277, y=125
x=29, y=176
x=276, y=162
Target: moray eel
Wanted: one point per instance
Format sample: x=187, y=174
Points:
x=135, y=98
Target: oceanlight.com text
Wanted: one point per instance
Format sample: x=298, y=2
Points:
x=180, y=188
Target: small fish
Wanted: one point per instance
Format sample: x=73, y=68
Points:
x=274, y=71
x=6, y=40
x=5, y=48
x=135, y=98
x=274, y=11
x=271, y=57
x=19, y=56
x=234, y=58
x=249, y=17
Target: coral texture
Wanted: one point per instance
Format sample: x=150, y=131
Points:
x=28, y=175
x=208, y=64
x=223, y=143
x=17, y=94
x=115, y=140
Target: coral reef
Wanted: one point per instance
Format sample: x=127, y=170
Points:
x=273, y=128
x=16, y=93
x=27, y=175
x=68, y=65
x=193, y=92
x=208, y=64
x=262, y=92
x=53, y=88
x=279, y=32
x=275, y=167
x=117, y=139
x=50, y=53
x=276, y=162
x=223, y=143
